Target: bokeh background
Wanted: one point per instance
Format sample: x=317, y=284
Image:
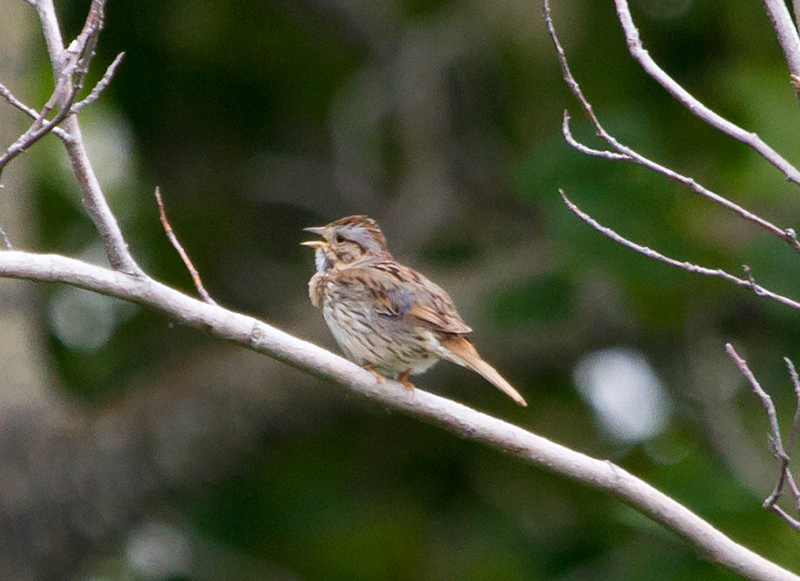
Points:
x=135, y=449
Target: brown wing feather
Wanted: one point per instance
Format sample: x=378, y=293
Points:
x=438, y=319
x=431, y=307
x=402, y=292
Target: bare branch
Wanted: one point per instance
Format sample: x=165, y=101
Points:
x=687, y=266
x=638, y=52
x=184, y=256
x=775, y=440
x=6, y=93
x=796, y=421
x=625, y=153
x=100, y=86
x=786, y=517
x=37, y=130
x=786, y=33
x=795, y=428
x=451, y=416
x=565, y=129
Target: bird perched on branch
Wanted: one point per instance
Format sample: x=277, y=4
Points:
x=385, y=316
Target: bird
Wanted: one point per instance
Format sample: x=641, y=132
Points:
x=385, y=316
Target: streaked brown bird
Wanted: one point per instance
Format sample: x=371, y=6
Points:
x=385, y=316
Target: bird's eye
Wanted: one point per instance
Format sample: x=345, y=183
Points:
x=339, y=238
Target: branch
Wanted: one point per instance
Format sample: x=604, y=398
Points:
x=749, y=282
x=101, y=85
x=786, y=32
x=6, y=93
x=750, y=139
x=451, y=416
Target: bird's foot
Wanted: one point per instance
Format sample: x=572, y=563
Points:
x=403, y=378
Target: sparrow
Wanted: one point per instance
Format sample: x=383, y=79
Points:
x=386, y=316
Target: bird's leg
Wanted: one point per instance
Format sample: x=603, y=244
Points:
x=371, y=368
x=403, y=378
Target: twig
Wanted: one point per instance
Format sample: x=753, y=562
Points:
x=638, y=52
x=795, y=429
x=775, y=440
x=624, y=153
x=37, y=130
x=749, y=282
x=100, y=86
x=184, y=256
x=567, y=132
x=6, y=239
x=6, y=93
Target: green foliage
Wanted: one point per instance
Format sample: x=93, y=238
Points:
x=442, y=120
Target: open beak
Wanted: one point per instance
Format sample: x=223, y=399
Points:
x=319, y=230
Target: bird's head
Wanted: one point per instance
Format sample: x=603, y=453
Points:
x=347, y=240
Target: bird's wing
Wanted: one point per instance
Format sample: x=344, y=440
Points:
x=402, y=292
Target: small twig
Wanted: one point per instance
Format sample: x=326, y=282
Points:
x=795, y=429
x=184, y=256
x=687, y=266
x=6, y=93
x=786, y=517
x=788, y=235
x=6, y=239
x=605, y=154
x=100, y=86
x=775, y=440
x=36, y=131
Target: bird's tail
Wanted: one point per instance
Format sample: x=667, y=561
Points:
x=467, y=356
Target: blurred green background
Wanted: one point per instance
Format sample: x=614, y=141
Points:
x=441, y=120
